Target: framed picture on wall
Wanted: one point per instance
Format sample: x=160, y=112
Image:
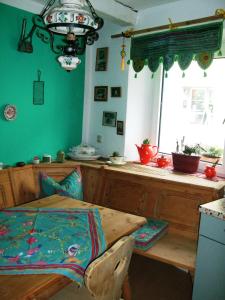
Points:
x=101, y=93
x=119, y=128
x=101, y=59
x=109, y=118
x=116, y=91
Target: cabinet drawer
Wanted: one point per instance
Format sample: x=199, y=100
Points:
x=212, y=228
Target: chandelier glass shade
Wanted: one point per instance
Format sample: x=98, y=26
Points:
x=71, y=16
x=74, y=19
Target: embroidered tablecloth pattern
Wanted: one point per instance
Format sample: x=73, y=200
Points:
x=43, y=241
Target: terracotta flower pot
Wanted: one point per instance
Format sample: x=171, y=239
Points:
x=185, y=163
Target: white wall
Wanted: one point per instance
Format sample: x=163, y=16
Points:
x=135, y=105
x=93, y=110
x=178, y=11
x=139, y=110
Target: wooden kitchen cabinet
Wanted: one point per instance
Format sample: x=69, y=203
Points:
x=161, y=194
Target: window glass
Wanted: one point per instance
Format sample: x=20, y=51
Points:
x=193, y=109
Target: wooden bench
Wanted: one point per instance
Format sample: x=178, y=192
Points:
x=141, y=190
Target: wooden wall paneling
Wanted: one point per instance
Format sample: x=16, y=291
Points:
x=174, y=202
x=93, y=181
x=184, y=215
x=23, y=184
x=122, y=194
x=58, y=173
x=6, y=194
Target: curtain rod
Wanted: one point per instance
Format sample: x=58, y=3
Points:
x=129, y=33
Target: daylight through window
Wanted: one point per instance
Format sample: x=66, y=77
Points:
x=193, y=109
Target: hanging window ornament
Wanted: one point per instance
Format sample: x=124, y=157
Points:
x=123, y=54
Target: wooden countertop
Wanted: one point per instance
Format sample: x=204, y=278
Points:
x=147, y=172
x=135, y=168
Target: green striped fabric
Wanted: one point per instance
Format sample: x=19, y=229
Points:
x=183, y=45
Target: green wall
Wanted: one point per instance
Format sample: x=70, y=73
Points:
x=38, y=129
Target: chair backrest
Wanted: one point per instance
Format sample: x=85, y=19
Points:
x=105, y=276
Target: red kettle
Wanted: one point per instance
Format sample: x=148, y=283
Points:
x=146, y=153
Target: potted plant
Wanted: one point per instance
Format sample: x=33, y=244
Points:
x=187, y=161
x=212, y=154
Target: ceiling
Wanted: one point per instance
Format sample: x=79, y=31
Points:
x=117, y=13
x=136, y=4
x=143, y=4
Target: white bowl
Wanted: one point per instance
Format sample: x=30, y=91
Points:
x=83, y=149
x=116, y=159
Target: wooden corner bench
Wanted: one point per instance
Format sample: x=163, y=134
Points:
x=136, y=189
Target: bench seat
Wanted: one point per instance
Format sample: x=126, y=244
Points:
x=173, y=249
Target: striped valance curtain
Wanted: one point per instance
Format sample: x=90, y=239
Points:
x=181, y=45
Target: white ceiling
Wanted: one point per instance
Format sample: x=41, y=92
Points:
x=142, y=4
x=136, y=4
x=116, y=12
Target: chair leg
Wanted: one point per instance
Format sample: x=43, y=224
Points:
x=126, y=289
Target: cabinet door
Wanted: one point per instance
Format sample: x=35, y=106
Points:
x=210, y=271
x=6, y=195
x=25, y=189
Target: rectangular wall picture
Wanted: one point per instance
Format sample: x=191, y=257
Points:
x=116, y=91
x=101, y=93
x=101, y=59
x=120, y=128
x=109, y=118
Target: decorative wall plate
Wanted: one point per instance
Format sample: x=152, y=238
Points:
x=10, y=112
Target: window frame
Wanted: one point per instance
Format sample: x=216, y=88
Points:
x=157, y=104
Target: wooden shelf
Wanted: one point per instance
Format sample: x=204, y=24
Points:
x=174, y=249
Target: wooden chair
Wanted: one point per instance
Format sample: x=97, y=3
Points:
x=105, y=277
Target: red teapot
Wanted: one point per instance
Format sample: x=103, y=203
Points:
x=162, y=161
x=146, y=152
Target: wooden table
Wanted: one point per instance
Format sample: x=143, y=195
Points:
x=115, y=224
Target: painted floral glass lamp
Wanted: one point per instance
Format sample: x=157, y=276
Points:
x=74, y=19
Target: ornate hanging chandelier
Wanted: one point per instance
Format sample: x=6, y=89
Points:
x=74, y=19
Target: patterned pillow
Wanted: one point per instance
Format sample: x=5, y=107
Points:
x=71, y=186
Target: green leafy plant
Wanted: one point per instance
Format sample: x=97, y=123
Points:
x=213, y=152
x=146, y=142
x=115, y=154
x=189, y=150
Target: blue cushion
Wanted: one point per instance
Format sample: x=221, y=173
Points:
x=71, y=186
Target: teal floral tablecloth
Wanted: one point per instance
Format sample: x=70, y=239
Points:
x=43, y=241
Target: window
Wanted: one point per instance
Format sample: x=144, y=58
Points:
x=193, y=109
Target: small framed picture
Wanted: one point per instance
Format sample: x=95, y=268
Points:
x=116, y=91
x=109, y=118
x=119, y=128
x=101, y=93
x=101, y=59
